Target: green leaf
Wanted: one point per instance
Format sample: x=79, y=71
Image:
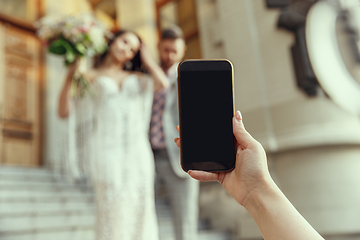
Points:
x=87, y=38
x=70, y=57
x=58, y=47
x=81, y=49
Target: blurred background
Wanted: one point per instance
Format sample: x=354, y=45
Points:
x=297, y=84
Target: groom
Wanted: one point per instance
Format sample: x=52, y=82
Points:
x=182, y=189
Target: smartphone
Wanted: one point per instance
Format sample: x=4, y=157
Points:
x=206, y=109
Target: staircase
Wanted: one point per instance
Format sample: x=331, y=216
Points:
x=36, y=204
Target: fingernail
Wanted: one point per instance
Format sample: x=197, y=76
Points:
x=238, y=116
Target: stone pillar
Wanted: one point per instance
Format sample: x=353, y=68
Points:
x=66, y=7
x=139, y=16
x=55, y=73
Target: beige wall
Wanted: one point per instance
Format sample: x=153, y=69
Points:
x=323, y=183
x=313, y=144
x=66, y=7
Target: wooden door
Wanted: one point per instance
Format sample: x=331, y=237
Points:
x=20, y=94
x=187, y=21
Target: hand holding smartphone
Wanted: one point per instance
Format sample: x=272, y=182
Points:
x=206, y=109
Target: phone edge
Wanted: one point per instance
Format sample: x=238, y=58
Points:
x=179, y=107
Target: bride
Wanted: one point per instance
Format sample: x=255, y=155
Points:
x=122, y=166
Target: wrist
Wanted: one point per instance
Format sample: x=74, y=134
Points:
x=259, y=198
x=69, y=80
x=150, y=64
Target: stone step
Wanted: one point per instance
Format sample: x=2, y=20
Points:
x=28, y=191
x=27, y=171
x=166, y=225
x=59, y=233
x=35, y=177
x=41, y=188
x=165, y=216
x=88, y=233
x=30, y=221
x=26, y=205
x=203, y=235
x=214, y=235
x=31, y=176
x=163, y=210
x=53, y=183
x=36, y=204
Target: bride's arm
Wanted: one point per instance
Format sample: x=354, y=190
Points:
x=65, y=98
x=160, y=79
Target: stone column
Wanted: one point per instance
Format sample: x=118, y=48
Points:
x=66, y=7
x=55, y=73
x=139, y=16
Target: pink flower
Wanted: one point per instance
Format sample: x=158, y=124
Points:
x=44, y=43
x=84, y=29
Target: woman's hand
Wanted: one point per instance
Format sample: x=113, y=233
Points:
x=251, y=171
x=160, y=79
x=146, y=57
x=251, y=185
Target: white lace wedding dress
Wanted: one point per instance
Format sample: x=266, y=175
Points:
x=113, y=131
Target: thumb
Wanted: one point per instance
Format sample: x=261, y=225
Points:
x=244, y=139
x=204, y=176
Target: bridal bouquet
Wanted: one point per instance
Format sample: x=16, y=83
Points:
x=74, y=37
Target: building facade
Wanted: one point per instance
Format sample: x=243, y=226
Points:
x=309, y=128
x=312, y=142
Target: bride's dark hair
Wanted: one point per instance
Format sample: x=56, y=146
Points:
x=134, y=64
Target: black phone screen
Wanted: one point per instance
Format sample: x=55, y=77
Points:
x=206, y=112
